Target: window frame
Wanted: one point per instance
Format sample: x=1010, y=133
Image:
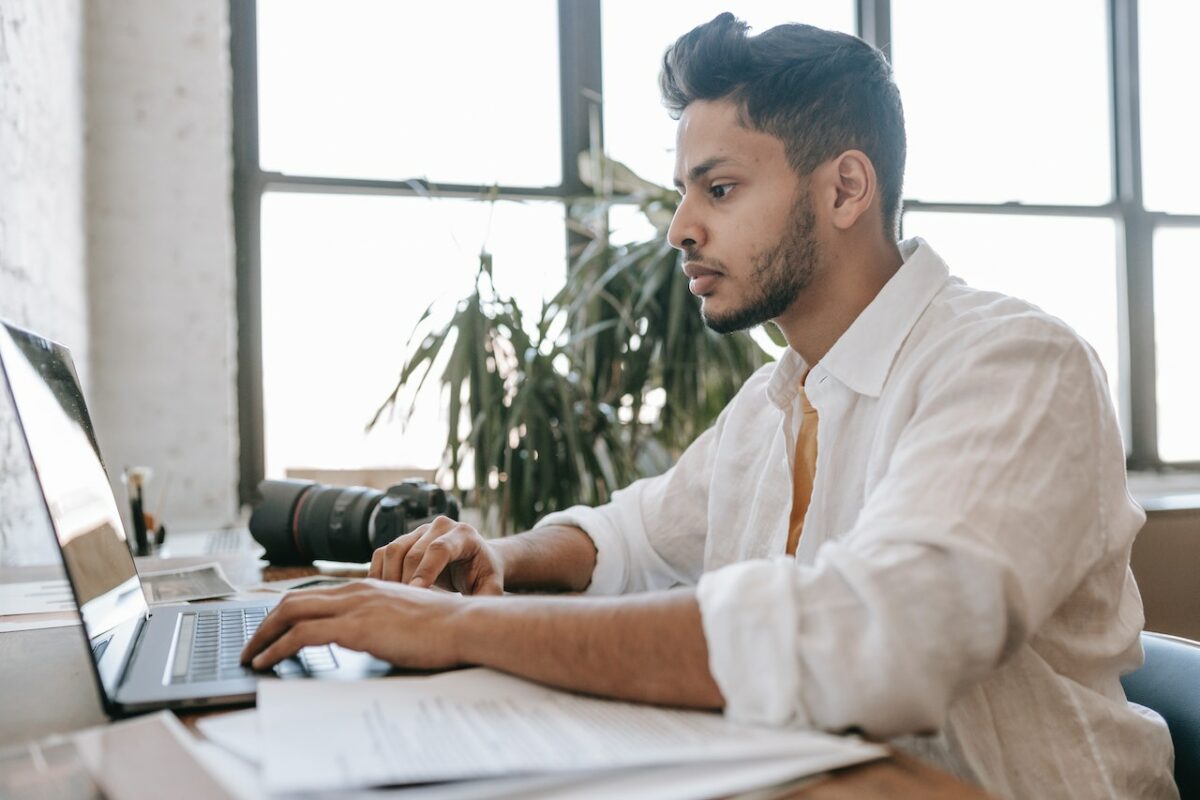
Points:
x=579, y=23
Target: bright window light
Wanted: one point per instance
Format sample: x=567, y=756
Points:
x=1169, y=105
x=1005, y=102
x=344, y=279
x=1176, y=332
x=456, y=92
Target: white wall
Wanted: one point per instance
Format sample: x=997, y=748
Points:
x=160, y=249
x=42, y=279
x=42, y=283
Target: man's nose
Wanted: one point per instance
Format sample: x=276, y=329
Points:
x=686, y=231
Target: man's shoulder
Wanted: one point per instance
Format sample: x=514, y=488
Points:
x=965, y=318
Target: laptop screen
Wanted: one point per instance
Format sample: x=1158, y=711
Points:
x=49, y=403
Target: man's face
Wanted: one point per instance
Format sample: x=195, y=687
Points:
x=745, y=224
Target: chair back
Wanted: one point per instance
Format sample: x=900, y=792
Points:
x=1169, y=683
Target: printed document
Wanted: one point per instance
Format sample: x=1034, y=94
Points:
x=36, y=597
x=202, y=582
x=477, y=723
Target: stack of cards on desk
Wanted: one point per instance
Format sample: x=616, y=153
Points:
x=462, y=732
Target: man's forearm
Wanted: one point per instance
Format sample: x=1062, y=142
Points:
x=647, y=647
x=557, y=558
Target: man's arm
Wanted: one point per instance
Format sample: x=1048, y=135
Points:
x=648, y=647
x=553, y=558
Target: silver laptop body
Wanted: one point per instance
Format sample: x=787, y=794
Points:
x=145, y=658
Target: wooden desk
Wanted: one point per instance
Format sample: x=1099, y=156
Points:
x=48, y=687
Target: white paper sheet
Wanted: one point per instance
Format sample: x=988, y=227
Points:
x=30, y=622
x=237, y=732
x=324, y=735
x=234, y=747
x=36, y=597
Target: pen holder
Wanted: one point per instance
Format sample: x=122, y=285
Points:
x=135, y=479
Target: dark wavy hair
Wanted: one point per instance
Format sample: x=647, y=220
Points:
x=820, y=92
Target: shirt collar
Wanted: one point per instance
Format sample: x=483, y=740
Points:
x=862, y=357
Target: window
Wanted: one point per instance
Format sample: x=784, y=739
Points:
x=1049, y=157
x=1015, y=108
x=1170, y=115
x=1177, y=330
x=357, y=271
x=387, y=90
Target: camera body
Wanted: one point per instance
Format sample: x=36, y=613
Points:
x=298, y=522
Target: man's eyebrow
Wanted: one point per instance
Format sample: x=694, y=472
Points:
x=700, y=170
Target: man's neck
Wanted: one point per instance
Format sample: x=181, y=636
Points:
x=845, y=285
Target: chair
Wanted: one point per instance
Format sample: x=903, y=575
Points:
x=1169, y=683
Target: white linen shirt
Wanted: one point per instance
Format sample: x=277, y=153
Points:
x=963, y=577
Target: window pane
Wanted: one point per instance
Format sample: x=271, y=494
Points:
x=635, y=34
x=1067, y=266
x=344, y=279
x=1005, y=101
x=1170, y=109
x=1176, y=332
x=381, y=89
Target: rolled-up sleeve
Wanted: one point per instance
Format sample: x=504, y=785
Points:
x=651, y=534
x=995, y=504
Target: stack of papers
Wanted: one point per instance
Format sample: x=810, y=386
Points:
x=479, y=733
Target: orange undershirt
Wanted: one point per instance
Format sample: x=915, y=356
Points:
x=804, y=471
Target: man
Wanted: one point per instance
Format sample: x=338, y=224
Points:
x=944, y=464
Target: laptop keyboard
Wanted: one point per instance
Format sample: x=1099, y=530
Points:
x=210, y=645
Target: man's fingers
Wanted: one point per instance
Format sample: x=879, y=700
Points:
x=437, y=530
x=453, y=546
x=292, y=610
x=395, y=553
x=376, y=568
x=302, y=634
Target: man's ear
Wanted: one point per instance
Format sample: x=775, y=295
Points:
x=855, y=186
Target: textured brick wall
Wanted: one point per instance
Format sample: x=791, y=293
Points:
x=160, y=248
x=42, y=281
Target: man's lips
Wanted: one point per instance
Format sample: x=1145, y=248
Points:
x=701, y=280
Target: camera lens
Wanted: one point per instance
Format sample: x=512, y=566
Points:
x=271, y=522
x=331, y=524
x=298, y=522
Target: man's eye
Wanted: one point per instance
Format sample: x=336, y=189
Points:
x=721, y=190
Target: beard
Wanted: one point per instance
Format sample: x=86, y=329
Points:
x=779, y=274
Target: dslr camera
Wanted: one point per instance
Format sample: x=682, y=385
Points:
x=298, y=522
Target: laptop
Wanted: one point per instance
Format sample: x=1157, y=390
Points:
x=145, y=658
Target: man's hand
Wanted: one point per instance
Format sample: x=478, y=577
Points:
x=443, y=553
x=401, y=625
